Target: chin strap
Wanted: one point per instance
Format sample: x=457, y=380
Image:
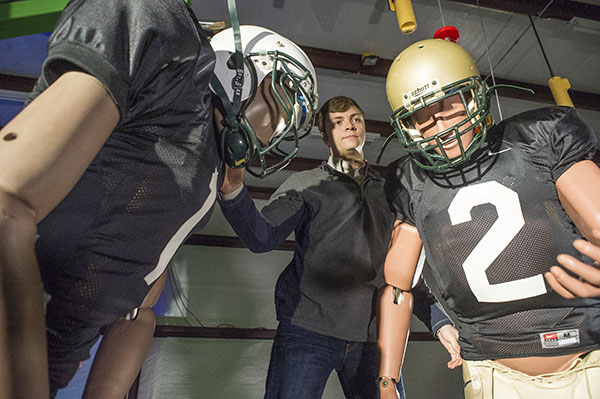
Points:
x=235, y=144
x=384, y=146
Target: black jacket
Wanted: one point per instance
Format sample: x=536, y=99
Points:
x=342, y=230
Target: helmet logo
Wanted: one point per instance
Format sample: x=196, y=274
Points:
x=419, y=91
x=237, y=82
x=427, y=89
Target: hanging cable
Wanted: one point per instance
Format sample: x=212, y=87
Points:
x=541, y=47
x=539, y=15
x=184, y=299
x=441, y=13
x=176, y=297
x=558, y=86
x=487, y=51
x=180, y=298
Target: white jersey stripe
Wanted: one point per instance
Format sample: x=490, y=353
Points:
x=175, y=241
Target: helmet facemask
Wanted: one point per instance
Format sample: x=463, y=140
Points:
x=429, y=153
x=279, y=112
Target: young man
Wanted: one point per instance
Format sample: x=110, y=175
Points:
x=326, y=297
x=493, y=207
x=106, y=172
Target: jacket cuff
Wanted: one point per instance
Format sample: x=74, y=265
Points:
x=232, y=195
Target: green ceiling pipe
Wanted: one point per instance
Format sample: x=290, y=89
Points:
x=26, y=17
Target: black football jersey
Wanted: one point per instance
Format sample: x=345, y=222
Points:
x=494, y=226
x=157, y=175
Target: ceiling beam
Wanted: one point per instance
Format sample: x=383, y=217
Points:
x=348, y=62
x=563, y=10
x=208, y=240
x=243, y=333
x=16, y=83
x=263, y=193
x=25, y=85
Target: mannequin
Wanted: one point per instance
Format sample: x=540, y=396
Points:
x=472, y=194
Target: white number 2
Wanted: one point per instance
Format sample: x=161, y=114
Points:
x=510, y=221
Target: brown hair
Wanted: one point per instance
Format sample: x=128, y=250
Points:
x=334, y=104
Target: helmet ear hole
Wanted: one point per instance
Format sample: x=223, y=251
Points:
x=231, y=62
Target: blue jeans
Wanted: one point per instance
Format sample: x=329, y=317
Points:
x=302, y=360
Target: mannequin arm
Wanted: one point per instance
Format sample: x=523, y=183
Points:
x=396, y=303
x=46, y=148
x=43, y=152
x=579, y=192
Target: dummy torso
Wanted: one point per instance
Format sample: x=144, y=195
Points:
x=493, y=226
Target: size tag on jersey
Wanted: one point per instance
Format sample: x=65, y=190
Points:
x=558, y=339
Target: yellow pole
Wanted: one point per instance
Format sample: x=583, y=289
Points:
x=559, y=87
x=406, y=15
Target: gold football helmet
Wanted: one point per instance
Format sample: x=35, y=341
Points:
x=428, y=72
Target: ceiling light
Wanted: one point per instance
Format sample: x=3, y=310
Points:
x=368, y=60
x=585, y=25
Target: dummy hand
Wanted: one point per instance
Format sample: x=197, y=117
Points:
x=233, y=179
x=448, y=336
x=588, y=283
x=387, y=389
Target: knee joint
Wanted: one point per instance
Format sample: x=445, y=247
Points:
x=17, y=223
x=14, y=212
x=397, y=295
x=141, y=314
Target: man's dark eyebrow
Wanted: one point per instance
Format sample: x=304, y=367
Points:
x=351, y=116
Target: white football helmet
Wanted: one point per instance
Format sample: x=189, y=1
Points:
x=268, y=58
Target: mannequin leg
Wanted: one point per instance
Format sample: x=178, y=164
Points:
x=123, y=350
x=24, y=372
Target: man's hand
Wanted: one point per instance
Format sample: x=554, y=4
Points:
x=588, y=283
x=448, y=336
x=233, y=179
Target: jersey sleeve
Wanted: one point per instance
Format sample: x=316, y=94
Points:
x=554, y=137
x=399, y=185
x=574, y=141
x=136, y=49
